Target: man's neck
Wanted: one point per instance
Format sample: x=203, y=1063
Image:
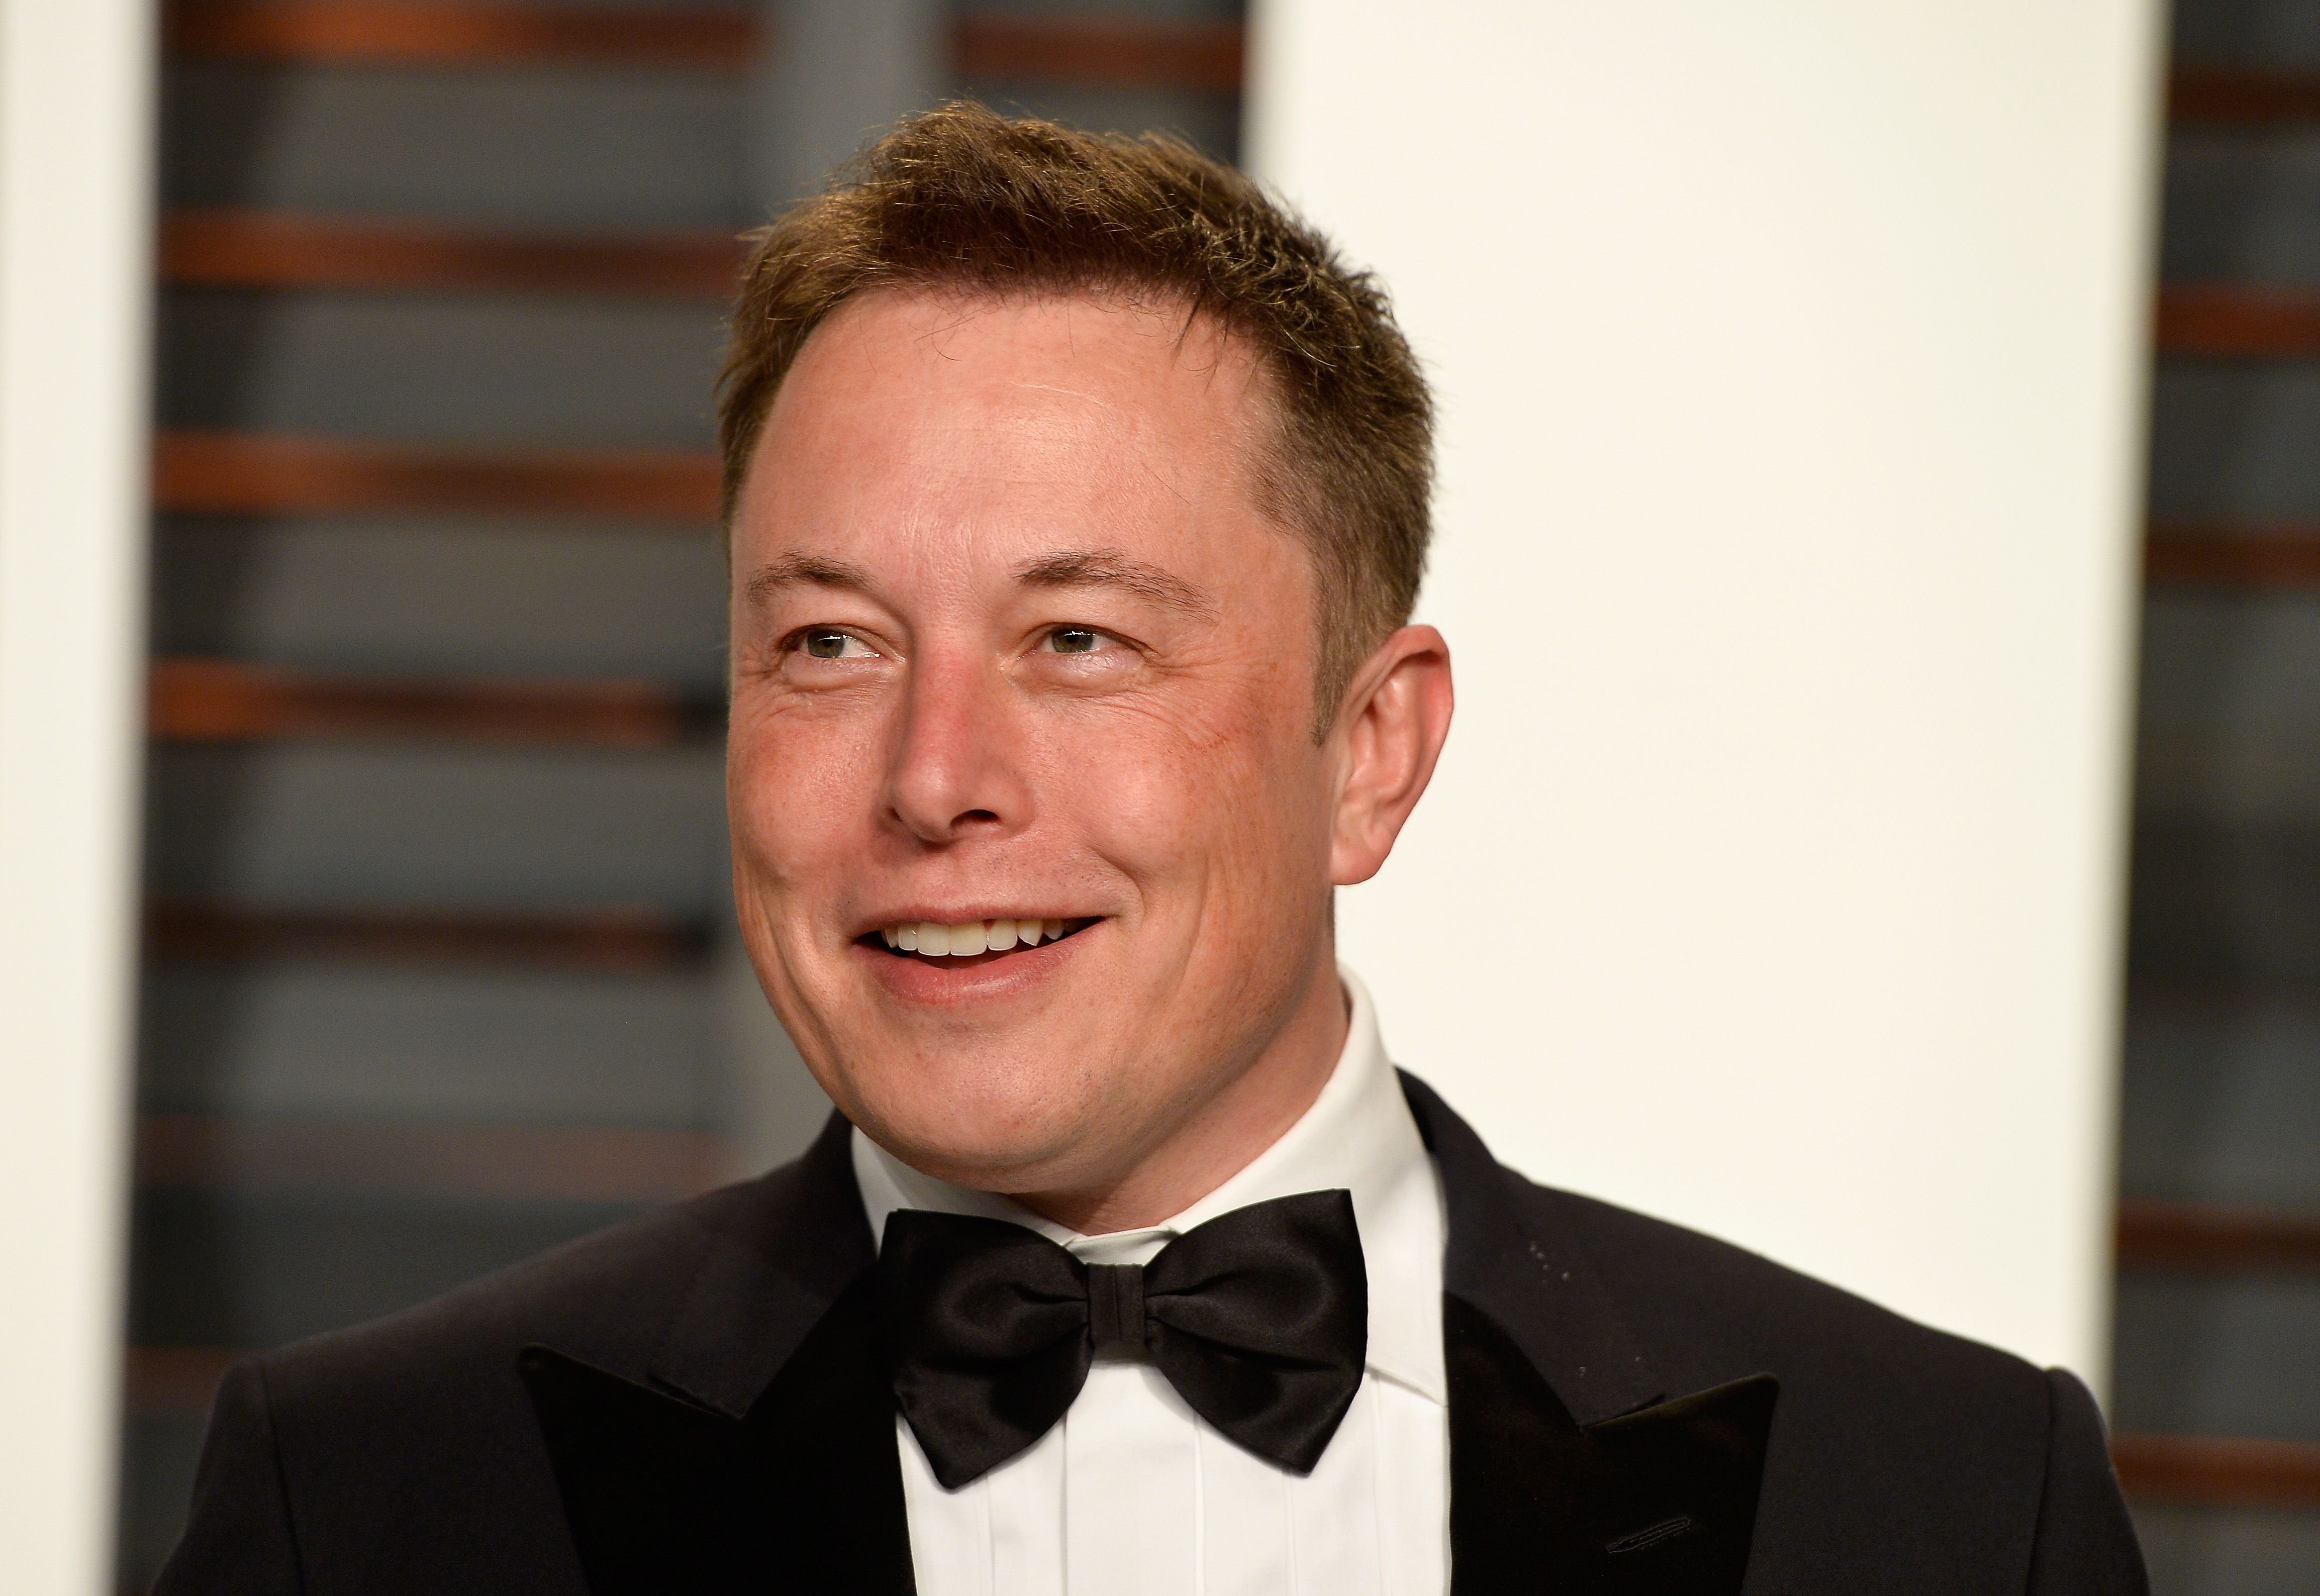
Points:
x=1223, y=1135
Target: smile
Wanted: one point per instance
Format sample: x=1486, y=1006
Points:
x=927, y=938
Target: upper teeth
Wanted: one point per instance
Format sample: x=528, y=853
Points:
x=976, y=936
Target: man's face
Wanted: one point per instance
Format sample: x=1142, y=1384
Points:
x=1012, y=642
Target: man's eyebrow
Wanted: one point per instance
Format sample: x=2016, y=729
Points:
x=803, y=570
x=1108, y=568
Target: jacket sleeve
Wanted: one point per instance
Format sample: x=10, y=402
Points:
x=2086, y=1544
x=239, y=1540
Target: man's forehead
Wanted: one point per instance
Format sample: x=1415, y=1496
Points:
x=1017, y=428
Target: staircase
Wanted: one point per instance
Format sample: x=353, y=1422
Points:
x=2215, y=1386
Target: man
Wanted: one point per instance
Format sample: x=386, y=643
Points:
x=1078, y=502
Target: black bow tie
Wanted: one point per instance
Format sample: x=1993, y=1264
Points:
x=1259, y=1319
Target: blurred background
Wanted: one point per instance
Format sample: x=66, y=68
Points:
x=436, y=966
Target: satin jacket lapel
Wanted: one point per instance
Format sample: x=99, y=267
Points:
x=1659, y=1502
x=652, y=1485
x=804, y=1494
x=762, y=1287
x=1569, y=1471
x=759, y=1453
x=1533, y=1280
x=823, y=1440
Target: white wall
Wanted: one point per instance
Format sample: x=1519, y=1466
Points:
x=75, y=99
x=1790, y=358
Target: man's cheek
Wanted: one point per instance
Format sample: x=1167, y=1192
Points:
x=1148, y=820
x=802, y=780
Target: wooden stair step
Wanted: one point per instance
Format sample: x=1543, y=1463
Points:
x=2244, y=96
x=2228, y=319
x=229, y=701
x=1100, y=51
x=520, y=1162
x=460, y=33
x=1093, y=51
x=263, y=474
x=2218, y=1471
x=2249, y=558
x=612, y=938
x=228, y=248
x=173, y=1381
x=2216, y=1238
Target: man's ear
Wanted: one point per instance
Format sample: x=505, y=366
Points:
x=1390, y=732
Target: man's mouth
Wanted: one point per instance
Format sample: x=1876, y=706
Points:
x=977, y=940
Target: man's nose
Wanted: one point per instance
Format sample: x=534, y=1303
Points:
x=956, y=771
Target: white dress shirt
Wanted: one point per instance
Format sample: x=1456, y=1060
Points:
x=1132, y=1494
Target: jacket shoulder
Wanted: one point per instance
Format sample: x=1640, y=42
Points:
x=624, y=1298
x=1692, y=1296
x=604, y=1297
x=405, y=1455
x=1894, y=1447
x=1900, y=1458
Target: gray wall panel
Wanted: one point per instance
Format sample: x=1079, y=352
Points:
x=2234, y=440
x=2230, y=1552
x=1211, y=123
x=2218, y=1355
x=2220, y=1098
x=2242, y=208
x=2225, y=904
x=842, y=71
x=439, y=597
x=156, y=1480
x=422, y=1042
x=433, y=824
x=446, y=368
x=241, y=1270
x=2267, y=32
x=2230, y=708
x=506, y=146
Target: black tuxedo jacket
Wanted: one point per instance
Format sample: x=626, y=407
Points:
x=691, y=1404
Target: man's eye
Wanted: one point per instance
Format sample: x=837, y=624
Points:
x=825, y=644
x=1074, y=639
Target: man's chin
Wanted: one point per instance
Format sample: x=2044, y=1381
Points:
x=989, y=1144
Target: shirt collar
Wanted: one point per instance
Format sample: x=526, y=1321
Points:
x=1358, y=1135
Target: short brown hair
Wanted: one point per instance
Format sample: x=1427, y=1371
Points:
x=962, y=198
